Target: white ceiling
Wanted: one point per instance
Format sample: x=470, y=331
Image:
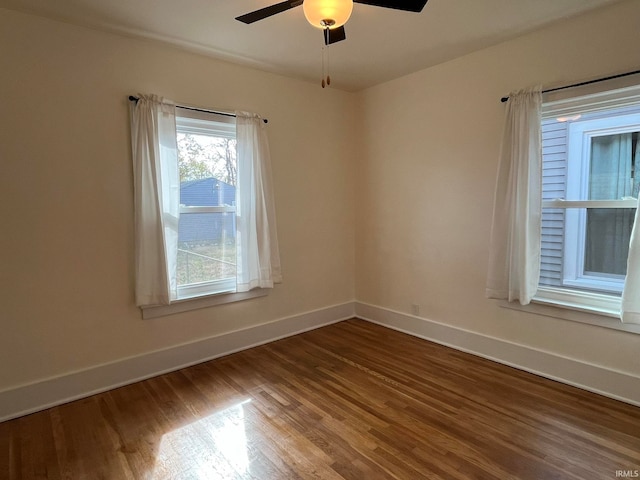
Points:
x=381, y=44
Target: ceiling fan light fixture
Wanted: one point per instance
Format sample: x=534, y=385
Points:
x=327, y=13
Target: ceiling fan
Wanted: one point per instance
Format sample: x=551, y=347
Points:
x=329, y=15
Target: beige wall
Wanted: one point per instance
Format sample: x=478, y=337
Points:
x=66, y=248
x=414, y=220
x=430, y=146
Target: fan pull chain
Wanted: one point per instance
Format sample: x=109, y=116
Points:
x=323, y=55
x=326, y=79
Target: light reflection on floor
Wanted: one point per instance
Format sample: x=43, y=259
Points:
x=214, y=447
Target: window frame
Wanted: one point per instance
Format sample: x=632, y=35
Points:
x=203, y=301
x=197, y=296
x=580, y=136
x=560, y=299
x=157, y=209
x=195, y=122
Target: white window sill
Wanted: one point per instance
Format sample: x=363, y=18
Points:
x=603, y=304
x=604, y=312
x=188, y=304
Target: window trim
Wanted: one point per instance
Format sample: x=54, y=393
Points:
x=603, y=100
x=204, y=301
x=199, y=123
x=593, y=302
x=595, y=308
x=201, y=289
x=563, y=311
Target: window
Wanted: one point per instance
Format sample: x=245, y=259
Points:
x=206, y=259
x=205, y=227
x=591, y=178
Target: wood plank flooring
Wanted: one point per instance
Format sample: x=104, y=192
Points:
x=349, y=401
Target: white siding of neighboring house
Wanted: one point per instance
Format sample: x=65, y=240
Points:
x=554, y=172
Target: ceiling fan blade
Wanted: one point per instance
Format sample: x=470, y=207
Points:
x=407, y=5
x=268, y=11
x=334, y=35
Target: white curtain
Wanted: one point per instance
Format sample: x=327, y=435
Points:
x=630, y=307
x=258, y=256
x=157, y=199
x=514, y=257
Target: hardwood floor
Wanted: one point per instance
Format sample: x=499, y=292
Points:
x=349, y=401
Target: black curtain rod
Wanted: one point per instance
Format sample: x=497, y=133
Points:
x=135, y=99
x=504, y=99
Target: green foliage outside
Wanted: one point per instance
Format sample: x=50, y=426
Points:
x=203, y=156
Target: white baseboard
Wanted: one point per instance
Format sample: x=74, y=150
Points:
x=594, y=378
x=29, y=398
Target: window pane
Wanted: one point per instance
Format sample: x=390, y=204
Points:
x=206, y=240
x=607, y=240
x=554, y=177
x=207, y=156
x=611, y=166
x=206, y=247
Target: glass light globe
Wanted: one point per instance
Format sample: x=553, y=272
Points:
x=327, y=13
